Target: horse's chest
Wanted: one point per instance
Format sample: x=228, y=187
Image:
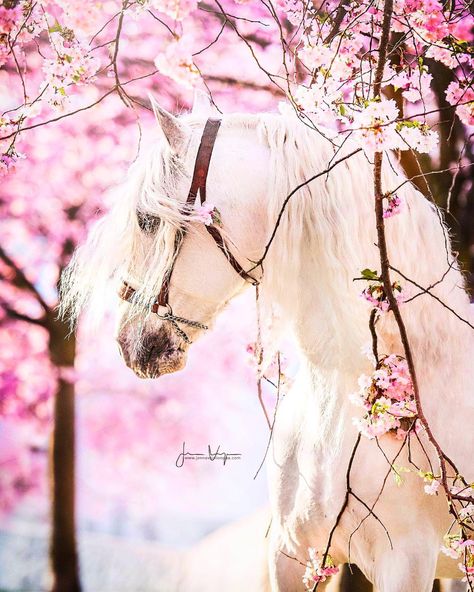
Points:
x=305, y=480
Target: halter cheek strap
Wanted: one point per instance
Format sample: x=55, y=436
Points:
x=203, y=160
x=198, y=185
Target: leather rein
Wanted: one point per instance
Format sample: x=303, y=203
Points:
x=198, y=186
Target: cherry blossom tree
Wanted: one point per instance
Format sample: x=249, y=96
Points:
x=52, y=187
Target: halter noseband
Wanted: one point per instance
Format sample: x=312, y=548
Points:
x=198, y=185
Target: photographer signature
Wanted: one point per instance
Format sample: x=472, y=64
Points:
x=212, y=456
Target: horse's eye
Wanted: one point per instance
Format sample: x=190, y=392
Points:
x=147, y=222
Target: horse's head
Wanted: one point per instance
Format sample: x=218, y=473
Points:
x=155, y=230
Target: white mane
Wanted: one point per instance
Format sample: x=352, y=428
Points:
x=116, y=243
x=157, y=185
x=328, y=235
x=328, y=228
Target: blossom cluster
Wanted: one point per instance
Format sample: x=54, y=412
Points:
x=457, y=546
x=20, y=22
x=317, y=571
x=462, y=96
x=8, y=154
x=176, y=9
x=72, y=64
x=387, y=396
x=8, y=161
x=432, y=483
x=10, y=18
x=330, y=73
x=392, y=206
x=338, y=59
x=466, y=513
x=207, y=213
x=374, y=293
x=177, y=63
x=378, y=127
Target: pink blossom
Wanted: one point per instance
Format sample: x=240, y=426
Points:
x=393, y=205
x=442, y=54
x=432, y=488
x=321, y=97
x=206, y=213
x=315, y=571
x=4, y=52
x=455, y=546
x=9, y=17
x=469, y=571
x=456, y=94
x=375, y=127
x=176, y=62
x=428, y=19
x=81, y=17
x=8, y=162
x=467, y=511
x=465, y=551
x=176, y=9
x=462, y=28
x=450, y=552
x=292, y=9
x=387, y=396
x=72, y=65
x=316, y=55
x=417, y=137
x=375, y=294
x=379, y=424
x=274, y=368
x=415, y=85
x=469, y=543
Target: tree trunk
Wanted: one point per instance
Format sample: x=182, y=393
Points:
x=63, y=546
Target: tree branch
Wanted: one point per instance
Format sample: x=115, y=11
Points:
x=21, y=281
x=18, y=316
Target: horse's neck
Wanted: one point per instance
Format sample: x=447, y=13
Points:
x=333, y=362
x=327, y=237
x=334, y=336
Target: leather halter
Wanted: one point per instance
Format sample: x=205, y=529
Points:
x=198, y=186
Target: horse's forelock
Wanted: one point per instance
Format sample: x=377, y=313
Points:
x=116, y=242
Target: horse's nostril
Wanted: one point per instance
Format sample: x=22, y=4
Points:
x=153, y=353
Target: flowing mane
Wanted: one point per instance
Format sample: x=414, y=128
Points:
x=116, y=241
x=328, y=235
x=328, y=227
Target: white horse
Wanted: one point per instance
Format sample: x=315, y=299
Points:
x=325, y=237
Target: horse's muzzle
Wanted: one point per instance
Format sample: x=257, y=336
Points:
x=157, y=354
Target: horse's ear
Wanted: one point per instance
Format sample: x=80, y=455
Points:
x=202, y=104
x=175, y=131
